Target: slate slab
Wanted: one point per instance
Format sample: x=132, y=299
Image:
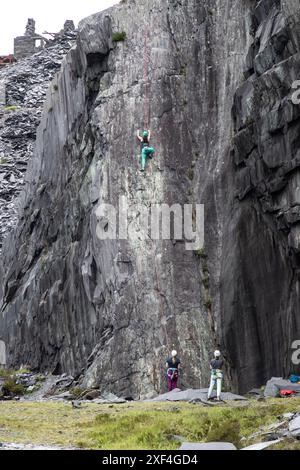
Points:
x=193, y=394
x=294, y=426
x=261, y=445
x=207, y=446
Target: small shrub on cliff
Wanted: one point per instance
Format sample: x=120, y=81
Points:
x=182, y=70
x=119, y=36
x=200, y=253
x=11, y=108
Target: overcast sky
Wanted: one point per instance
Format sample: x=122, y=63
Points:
x=49, y=16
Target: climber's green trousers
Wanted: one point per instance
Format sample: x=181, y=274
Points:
x=146, y=152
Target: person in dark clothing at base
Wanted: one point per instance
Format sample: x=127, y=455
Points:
x=173, y=366
x=216, y=378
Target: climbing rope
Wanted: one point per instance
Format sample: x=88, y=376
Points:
x=161, y=312
x=161, y=308
x=146, y=80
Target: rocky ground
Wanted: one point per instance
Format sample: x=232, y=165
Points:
x=23, y=87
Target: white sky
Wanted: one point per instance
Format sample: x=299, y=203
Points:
x=49, y=16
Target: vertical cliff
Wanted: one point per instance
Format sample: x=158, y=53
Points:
x=115, y=307
x=260, y=269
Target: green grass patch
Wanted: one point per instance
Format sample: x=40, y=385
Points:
x=200, y=253
x=119, y=36
x=286, y=444
x=182, y=70
x=5, y=373
x=10, y=385
x=76, y=391
x=11, y=108
x=148, y=426
x=191, y=174
x=208, y=303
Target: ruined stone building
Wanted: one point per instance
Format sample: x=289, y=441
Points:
x=32, y=42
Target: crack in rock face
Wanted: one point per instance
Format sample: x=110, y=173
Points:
x=109, y=311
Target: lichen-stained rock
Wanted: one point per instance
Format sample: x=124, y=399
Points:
x=114, y=308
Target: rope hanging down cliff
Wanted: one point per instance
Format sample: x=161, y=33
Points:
x=146, y=151
x=146, y=127
x=146, y=80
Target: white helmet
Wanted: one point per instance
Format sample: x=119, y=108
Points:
x=217, y=353
x=174, y=353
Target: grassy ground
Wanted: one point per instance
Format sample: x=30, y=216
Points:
x=137, y=425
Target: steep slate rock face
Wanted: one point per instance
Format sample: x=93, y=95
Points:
x=116, y=307
x=261, y=262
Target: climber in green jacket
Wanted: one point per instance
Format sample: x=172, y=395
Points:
x=146, y=150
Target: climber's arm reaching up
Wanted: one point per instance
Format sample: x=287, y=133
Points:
x=139, y=137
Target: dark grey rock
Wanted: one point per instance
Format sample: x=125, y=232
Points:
x=256, y=300
x=91, y=395
x=256, y=392
x=103, y=401
x=176, y=438
x=63, y=396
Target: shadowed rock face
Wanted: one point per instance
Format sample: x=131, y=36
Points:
x=260, y=270
x=116, y=307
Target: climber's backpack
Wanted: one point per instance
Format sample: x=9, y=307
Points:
x=294, y=378
x=287, y=393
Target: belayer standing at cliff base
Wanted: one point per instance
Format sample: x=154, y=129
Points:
x=146, y=150
x=173, y=365
x=216, y=377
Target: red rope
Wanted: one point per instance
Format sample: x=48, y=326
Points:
x=146, y=82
